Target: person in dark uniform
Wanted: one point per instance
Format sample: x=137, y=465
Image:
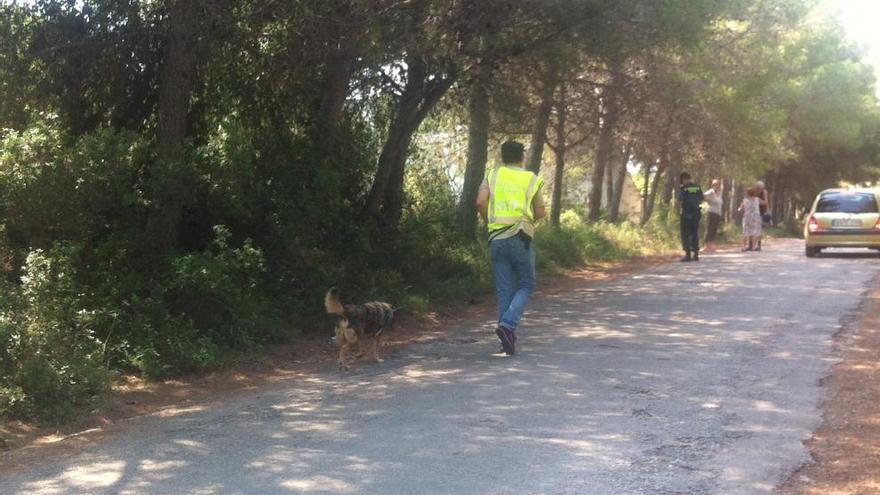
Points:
x=690, y=198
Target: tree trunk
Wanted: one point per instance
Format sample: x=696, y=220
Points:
x=655, y=184
x=176, y=84
x=727, y=199
x=337, y=76
x=392, y=205
x=420, y=95
x=651, y=186
x=619, y=181
x=542, y=120
x=792, y=214
x=739, y=193
x=604, y=145
x=559, y=173
x=646, y=190
x=777, y=199
x=609, y=178
x=399, y=135
x=668, y=190
x=477, y=156
x=673, y=168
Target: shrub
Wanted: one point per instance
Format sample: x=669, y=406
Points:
x=55, y=388
x=57, y=368
x=576, y=242
x=221, y=292
x=211, y=304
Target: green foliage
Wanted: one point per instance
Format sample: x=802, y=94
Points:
x=55, y=366
x=576, y=242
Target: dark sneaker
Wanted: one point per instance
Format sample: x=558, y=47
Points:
x=502, y=351
x=508, y=340
x=685, y=259
x=696, y=257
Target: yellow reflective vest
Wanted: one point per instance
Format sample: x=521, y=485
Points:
x=511, y=192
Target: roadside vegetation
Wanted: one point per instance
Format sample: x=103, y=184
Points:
x=180, y=181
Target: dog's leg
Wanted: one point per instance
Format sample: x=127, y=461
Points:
x=343, y=355
x=360, y=349
x=377, y=343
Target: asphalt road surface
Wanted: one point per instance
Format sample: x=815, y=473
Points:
x=683, y=379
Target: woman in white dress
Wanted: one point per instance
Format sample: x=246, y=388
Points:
x=751, y=222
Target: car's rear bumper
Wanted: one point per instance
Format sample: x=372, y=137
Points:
x=869, y=238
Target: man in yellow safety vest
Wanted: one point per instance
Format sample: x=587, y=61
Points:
x=510, y=202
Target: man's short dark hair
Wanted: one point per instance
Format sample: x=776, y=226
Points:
x=512, y=152
x=684, y=176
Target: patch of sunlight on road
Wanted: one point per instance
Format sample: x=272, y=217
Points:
x=206, y=490
x=177, y=411
x=283, y=461
x=319, y=483
x=782, y=355
x=653, y=276
x=151, y=465
x=583, y=333
x=315, y=426
x=417, y=374
x=96, y=475
x=765, y=406
x=355, y=463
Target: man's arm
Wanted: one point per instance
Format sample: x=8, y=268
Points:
x=538, y=206
x=483, y=203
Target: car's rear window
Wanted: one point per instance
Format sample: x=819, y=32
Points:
x=844, y=202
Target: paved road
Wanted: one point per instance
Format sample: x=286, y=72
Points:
x=679, y=380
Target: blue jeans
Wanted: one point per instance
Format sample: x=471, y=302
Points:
x=514, y=269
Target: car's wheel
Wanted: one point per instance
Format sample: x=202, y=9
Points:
x=812, y=252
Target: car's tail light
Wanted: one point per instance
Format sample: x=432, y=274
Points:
x=813, y=224
x=877, y=225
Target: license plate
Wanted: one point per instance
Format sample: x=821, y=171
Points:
x=846, y=222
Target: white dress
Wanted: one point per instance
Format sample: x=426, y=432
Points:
x=751, y=217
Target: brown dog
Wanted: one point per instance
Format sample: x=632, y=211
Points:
x=357, y=323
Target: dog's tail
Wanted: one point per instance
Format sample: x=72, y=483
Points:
x=388, y=317
x=333, y=303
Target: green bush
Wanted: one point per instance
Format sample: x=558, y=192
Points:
x=576, y=242
x=55, y=388
x=57, y=367
x=72, y=216
x=53, y=191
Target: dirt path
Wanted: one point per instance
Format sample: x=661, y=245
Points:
x=846, y=449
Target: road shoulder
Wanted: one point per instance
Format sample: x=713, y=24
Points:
x=845, y=448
